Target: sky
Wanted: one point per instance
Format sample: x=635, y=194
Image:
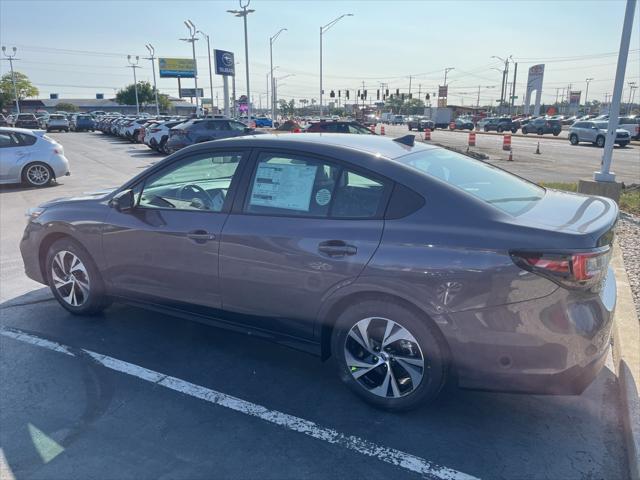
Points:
x=79, y=48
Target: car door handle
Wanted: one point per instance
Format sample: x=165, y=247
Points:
x=336, y=248
x=200, y=236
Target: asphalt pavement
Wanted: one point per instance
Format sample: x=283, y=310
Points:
x=137, y=394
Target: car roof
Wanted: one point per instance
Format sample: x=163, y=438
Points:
x=27, y=131
x=376, y=145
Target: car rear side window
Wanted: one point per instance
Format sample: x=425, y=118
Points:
x=295, y=185
x=25, y=140
x=497, y=187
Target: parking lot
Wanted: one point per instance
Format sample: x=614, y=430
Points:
x=138, y=394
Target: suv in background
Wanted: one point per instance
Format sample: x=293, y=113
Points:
x=27, y=120
x=57, y=122
x=542, y=126
x=204, y=130
x=338, y=127
x=419, y=123
x=464, y=124
x=80, y=123
x=596, y=132
x=631, y=125
x=500, y=124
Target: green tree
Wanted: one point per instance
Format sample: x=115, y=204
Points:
x=24, y=88
x=287, y=108
x=127, y=95
x=165, y=103
x=66, y=107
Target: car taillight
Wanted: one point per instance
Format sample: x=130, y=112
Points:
x=57, y=151
x=584, y=270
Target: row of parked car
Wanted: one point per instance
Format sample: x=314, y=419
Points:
x=53, y=122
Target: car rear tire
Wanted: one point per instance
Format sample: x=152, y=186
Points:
x=600, y=140
x=514, y=130
x=556, y=133
x=500, y=129
x=74, y=278
x=573, y=138
x=524, y=130
x=389, y=355
x=540, y=131
x=623, y=144
x=409, y=127
x=37, y=174
x=486, y=129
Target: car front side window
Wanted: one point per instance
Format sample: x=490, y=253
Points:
x=200, y=182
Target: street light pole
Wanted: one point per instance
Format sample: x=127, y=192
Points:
x=133, y=65
x=244, y=4
x=446, y=72
x=193, y=39
x=632, y=87
x=210, y=71
x=13, y=78
x=586, y=96
x=153, y=67
x=322, y=30
x=273, y=108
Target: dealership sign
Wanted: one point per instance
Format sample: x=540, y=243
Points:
x=191, y=92
x=225, y=64
x=442, y=91
x=177, y=67
x=534, y=84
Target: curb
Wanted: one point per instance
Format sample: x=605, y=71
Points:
x=626, y=356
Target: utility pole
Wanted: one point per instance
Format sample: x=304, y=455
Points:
x=11, y=58
x=586, y=95
x=153, y=67
x=270, y=75
x=133, y=65
x=478, y=101
x=244, y=13
x=210, y=71
x=192, y=39
x=322, y=30
x=632, y=87
x=605, y=175
x=513, y=86
x=409, y=85
x=557, y=91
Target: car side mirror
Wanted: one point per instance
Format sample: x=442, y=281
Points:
x=123, y=201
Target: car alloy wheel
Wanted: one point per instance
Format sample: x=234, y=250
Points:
x=70, y=278
x=573, y=139
x=384, y=357
x=38, y=175
x=600, y=141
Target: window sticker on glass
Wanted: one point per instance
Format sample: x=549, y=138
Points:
x=283, y=186
x=323, y=197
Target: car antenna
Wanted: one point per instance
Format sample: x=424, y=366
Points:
x=408, y=140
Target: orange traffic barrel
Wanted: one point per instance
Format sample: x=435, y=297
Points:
x=506, y=142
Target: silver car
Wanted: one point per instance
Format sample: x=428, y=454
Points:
x=596, y=133
x=29, y=156
x=57, y=122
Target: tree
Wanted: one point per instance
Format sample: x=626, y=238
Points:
x=287, y=108
x=146, y=94
x=165, y=103
x=66, y=107
x=24, y=88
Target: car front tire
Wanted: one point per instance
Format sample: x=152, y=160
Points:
x=623, y=144
x=600, y=140
x=389, y=355
x=74, y=278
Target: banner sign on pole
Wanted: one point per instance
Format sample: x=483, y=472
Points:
x=225, y=64
x=191, y=92
x=442, y=91
x=177, y=67
x=534, y=83
x=574, y=97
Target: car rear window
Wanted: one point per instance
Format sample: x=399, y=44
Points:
x=505, y=191
x=57, y=117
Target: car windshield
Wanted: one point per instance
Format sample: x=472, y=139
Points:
x=509, y=193
x=602, y=125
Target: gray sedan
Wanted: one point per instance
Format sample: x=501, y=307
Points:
x=406, y=264
x=596, y=133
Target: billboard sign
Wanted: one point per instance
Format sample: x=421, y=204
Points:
x=225, y=63
x=442, y=91
x=574, y=101
x=534, y=84
x=191, y=92
x=177, y=67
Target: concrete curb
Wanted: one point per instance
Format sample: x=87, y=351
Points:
x=626, y=356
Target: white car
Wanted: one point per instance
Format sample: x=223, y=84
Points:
x=57, y=122
x=631, y=124
x=157, y=136
x=30, y=157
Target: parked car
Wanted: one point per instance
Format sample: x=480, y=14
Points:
x=569, y=120
x=632, y=125
x=43, y=118
x=30, y=157
x=352, y=247
x=397, y=120
x=81, y=123
x=464, y=124
x=499, y=124
x=339, y=127
x=57, y=122
x=26, y=120
x=542, y=126
x=263, y=121
x=3, y=121
x=157, y=136
x=420, y=123
x=596, y=133
x=197, y=131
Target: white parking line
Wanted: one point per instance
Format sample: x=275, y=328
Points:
x=290, y=422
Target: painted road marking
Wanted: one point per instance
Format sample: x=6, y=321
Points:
x=389, y=455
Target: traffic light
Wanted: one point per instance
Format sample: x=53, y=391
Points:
x=338, y=93
x=365, y=94
x=332, y=94
x=378, y=94
x=397, y=92
x=346, y=94
x=428, y=97
x=410, y=95
x=386, y=92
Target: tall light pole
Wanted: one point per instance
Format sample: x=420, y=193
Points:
x=244, y=4
x=193, y=39
x=505, y=75
x=210, y=71
x=586, y=96
x=322, y=30
x=133, y=65
x=11, y=58
x=446, y=72
x=271, y=40
x=152, y=57
x=632, y=87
